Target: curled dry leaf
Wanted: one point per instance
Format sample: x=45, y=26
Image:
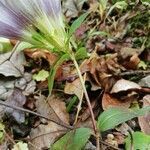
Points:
x=124, y=85
x=110, y=101
x=53, y=108
x=132, y=63
x=103, y=70
x=74, y=87
x=38, y=53
x=144, y=121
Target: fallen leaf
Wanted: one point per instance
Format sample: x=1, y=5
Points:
x=126, y=52
x=145, y=82
x=54, y=108
x=103, y=70
x=74, y=87
x=132, y=63
x=119, y=137
x=124, y=129
x=144, y=121
x=16, y=99
x=110, y=101
x=71, y=8
x=124, y=85
x=11, y=64
x=24, y=83
x=38, y=53
x=45, y=135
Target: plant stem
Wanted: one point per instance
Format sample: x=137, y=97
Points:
x=96, y=131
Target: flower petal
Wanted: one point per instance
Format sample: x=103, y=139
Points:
x=22, y=18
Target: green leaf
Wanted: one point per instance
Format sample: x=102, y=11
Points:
x=73, y=140
x=76, y=24
x=116, y=115
x=140, y=141
x=71, y=103
x=54, y=69
x=81, y=53
x=41, y=76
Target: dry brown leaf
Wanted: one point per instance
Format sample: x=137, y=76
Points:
x=124, y=85
x=94, y=86
x=53, y=108
x=132, y=63
x=15, y=99
x=45, y=135
x=74, y=87
x=144, y=121
x=119, y=137
x=145, y=82
x=126, y=52
x=38, y=53
x=103, y=70
x=110, y=101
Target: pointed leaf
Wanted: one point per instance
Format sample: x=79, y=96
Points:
x=73, y=140
x=53, y=71
x=115, y=116
x=76, y=24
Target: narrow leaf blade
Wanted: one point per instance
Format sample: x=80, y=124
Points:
x=76, y=24
x=115, y=116
x=53, y=71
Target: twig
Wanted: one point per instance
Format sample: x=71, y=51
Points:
x=36, y=114
x=96, y=131
x=135, y=72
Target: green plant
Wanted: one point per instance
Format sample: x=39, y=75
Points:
x=40, y=23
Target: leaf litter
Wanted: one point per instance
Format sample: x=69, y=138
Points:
x=112, y=41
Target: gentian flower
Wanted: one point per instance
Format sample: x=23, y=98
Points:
x=38, y=22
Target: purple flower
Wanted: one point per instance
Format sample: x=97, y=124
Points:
x=38, y=22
